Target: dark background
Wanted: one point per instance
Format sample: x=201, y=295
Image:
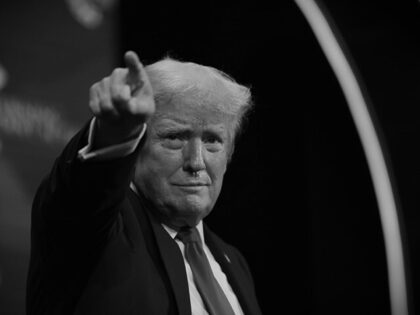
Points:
x=298, y=199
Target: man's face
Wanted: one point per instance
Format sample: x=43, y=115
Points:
x=181, y=166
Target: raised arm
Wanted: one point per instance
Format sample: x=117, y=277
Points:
x=93, y=188
x=122, y=103
x=76, y=210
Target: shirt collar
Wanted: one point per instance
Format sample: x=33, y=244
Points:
x=172, y=232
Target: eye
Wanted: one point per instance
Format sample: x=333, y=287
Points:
x=213, y=142
x=211, y=139
x=172, y=140
x=173, y=136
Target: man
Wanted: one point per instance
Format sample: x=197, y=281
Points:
x=117, y=225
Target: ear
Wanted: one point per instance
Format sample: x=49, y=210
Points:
x=231, y=150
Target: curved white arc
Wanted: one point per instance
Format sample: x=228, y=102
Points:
x=373, y=151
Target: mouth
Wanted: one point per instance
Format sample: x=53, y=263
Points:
x=191, y=186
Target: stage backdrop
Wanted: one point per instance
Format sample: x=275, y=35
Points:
x=298, y=199
x=50, y=53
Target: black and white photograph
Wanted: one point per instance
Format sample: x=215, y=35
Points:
x=209, y=159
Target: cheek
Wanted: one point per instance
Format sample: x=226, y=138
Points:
x=155, y=165
x=217, y=168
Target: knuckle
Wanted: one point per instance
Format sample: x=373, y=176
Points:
x=117, y=72
x=134, y=106
x=116, y=91
x=120, y=94
x=105, y=82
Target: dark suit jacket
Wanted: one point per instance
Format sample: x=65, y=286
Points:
x=96, y=247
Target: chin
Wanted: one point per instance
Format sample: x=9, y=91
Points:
x=193, y=212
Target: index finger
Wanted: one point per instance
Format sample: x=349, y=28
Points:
x=133, y=63
x=135, y=71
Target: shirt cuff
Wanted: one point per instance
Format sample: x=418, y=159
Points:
x=110, y=152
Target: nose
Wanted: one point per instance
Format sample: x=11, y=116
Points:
x=193, y=156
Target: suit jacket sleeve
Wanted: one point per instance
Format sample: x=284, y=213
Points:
x=74, y=214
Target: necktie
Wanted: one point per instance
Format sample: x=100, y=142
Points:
x=214, y=299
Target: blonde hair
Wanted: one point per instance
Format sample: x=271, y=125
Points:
x=202, y=85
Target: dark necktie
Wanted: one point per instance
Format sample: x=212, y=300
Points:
x=212, y=294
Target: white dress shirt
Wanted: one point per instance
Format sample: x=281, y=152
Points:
x=197, y=304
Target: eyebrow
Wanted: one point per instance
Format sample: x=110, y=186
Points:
x=170, y=124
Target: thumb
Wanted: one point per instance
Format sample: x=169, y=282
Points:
x=136, y=74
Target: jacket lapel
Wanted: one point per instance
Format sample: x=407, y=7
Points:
x=172, y=259
x=235, y=272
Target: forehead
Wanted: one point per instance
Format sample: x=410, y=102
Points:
x=177, y=113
